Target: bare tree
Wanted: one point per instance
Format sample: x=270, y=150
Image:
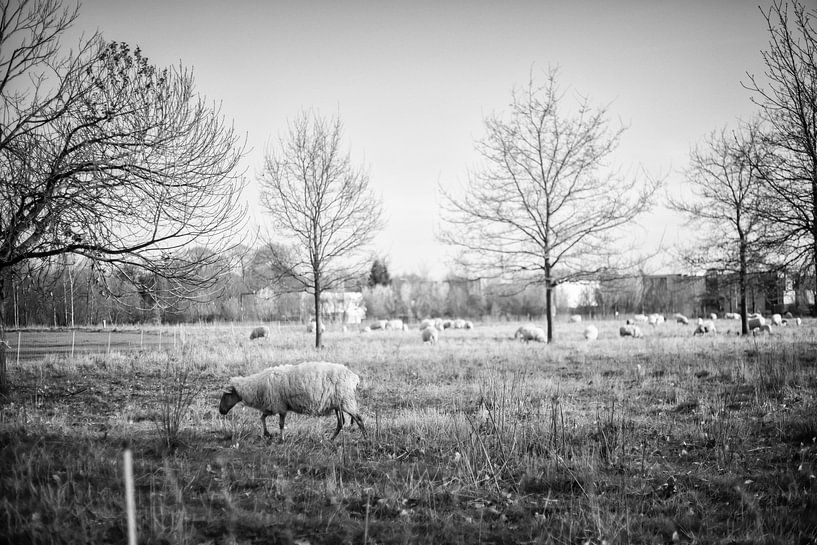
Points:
x=104, y=155
x=320, y=205
x=787, y=96
x=544, y=206
x=727, y=189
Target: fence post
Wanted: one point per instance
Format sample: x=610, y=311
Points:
x=130, y=503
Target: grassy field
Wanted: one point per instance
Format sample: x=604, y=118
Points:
x=478, y=439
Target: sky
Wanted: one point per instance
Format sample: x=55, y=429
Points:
x=413, y=82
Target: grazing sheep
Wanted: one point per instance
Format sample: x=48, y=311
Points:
x=259, y=332
x=365, y=329
x=777, y=319
x=425, y=323
x=630, y=331
x=732, y=315
x=310, y=327
x=655, y=319
x=429, y=334
x=576, y=318
x=459, y=323
x=681, y=319
x=591, y=333
x=438, y=324
x=396, y=324
x=447, y=324
x=469, y=324
x=379, y=324
x=765, y=328
x=754, y=315
x=704, y=327
x=788, y=315
x=713, y=317
x=313, y=388
x=755, y=321
x=530, y=332
x=640, y=317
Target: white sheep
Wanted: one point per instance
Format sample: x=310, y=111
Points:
x=755, y=321
x=425, y=323
x=259, y=332
x=777, y=319
x=396, y=324
x=530, y=332
x=310, y=327
x=681, y=319
x=591, y=332
x=655, y=319
x=640, y=317
x=713, y=317
x=732, y=315
x=704, y=327
x=379, y=324
x=765, y=328
x=630, y=330
x=469, y=324
x=459, y=323
x=314, y=388
x=576, y=318
x=429, y=334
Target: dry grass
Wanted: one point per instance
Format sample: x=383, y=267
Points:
x=476, y=439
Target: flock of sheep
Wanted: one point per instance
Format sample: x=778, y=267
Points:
x=756, y=322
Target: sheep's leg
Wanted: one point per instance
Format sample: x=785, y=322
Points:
x=281, y=418
x=339, y=416
x=264, y=424
x=357, y=419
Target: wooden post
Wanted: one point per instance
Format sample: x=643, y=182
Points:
x=73, y=339
x=130, y=503
x=19, y=334
x=109, y=342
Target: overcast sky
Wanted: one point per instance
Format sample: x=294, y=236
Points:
x=413, y=81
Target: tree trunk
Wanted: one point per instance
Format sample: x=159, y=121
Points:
x=318, y=335
x=3, y=373
x=744, y=322
x=549, y=308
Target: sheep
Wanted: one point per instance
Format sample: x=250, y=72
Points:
x=765, y=328
x=755, y=321
x=379, y=324
x=704, y=327
x=576, y=318
x=310, y=327
x=777, y=319
x=447, y=324
x=755, y=315
x=591, y=333
x=732, y=315
x=259, y=332
x=530, y=332
x=425, y=323
x=640, y=317
x=459, y=323
x=438, y=324
x=396, y=324
x=469, y=324
x=429, y=334
x=655, y=319
x=681, y=319
x=313, y=388
x=630, y=331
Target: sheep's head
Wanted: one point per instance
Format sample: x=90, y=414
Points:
x=229, y=398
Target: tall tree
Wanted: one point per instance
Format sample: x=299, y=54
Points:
x=320, y=204
x=106, y=156
x=544, y=205
x=379, y=273
x=726, y=194
x=787, y=96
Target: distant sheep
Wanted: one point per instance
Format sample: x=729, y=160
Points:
x=576, y=318
x=397, y=325
x=469, y=324
x=630, y=331
x=788, y=315
x=313, y=388
x=681, y=319
x=259, y=332
x=310, y=327
x=704, y=327
x=427, y=322
x=640, y=318
x=755, y=315
x=655, y=319
x=732, y=315
x=755, y=321
x=379, y=324
x=530, y=332
x=591, y=332
x=777, y=319
x=713, y=317
x=458, y=324
x=429, y=334
x=765, y=328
